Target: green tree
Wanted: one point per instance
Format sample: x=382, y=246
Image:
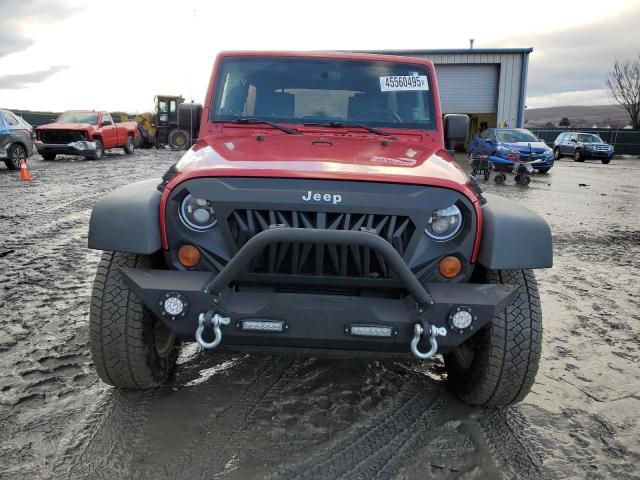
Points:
x=564, y=122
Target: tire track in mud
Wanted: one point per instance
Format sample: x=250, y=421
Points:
x=376, y=448
x=232, y=424
x=103, y=444
x=507, y=435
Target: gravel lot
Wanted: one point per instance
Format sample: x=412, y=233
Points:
x=240, y=417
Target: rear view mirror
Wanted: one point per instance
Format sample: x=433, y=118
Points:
x=456, y=128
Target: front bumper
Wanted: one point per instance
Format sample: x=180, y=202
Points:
x=598, y=154
x=82, y=147
x=316, y=321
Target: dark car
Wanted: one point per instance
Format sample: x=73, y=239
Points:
x=582, y=146
x=16, y=139
x=510, y=143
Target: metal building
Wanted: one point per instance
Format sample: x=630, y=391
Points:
x=488, y=84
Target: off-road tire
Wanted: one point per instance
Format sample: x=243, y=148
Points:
x=497, y=366
x=179, y=139
x=556, y=153
x=606, y=161
x=15, y=154
x=48, y=156
x=130, y=146
x=99, y=153
x=127, y=344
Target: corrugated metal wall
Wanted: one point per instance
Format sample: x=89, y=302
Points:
x=509, y=67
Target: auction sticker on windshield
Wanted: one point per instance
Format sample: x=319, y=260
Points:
x=404, y=82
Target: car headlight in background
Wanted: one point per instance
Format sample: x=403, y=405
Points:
x=507, y=151
x=197, y=213
x=444, y=224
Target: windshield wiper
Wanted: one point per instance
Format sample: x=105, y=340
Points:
x=349, y=125
x=250, y=120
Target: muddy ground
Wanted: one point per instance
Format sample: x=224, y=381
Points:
x=238, y=417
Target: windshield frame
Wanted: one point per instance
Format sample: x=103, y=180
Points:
x=432, y=107
x=498, y=131
x=78, y=112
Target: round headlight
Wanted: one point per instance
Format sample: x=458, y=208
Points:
x=197, y=213
x=444, y=224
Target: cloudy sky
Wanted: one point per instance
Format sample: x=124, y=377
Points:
x=117, y=54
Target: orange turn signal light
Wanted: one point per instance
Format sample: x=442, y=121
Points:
x=188, y=256
x=450, y=267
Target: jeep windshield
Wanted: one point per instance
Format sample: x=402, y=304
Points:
x=78, y=117
x=324, y=91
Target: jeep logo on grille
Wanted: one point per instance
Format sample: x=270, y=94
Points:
x=322, y=197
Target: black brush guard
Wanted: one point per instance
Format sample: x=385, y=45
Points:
x=316, y=322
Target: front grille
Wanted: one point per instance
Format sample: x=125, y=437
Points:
x=60, y=136
x=321, y=260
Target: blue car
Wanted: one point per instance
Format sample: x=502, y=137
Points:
x=582, y=146
x=513, y=143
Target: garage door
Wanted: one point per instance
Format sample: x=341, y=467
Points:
x=468, y=88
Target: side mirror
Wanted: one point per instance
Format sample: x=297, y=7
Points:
x=456, y=128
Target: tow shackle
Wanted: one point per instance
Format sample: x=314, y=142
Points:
x=433, y=333
x=209, y=319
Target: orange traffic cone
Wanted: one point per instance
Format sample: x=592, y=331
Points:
x=24, y=171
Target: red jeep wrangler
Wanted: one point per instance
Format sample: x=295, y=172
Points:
x=85, y=133
x=319, y=213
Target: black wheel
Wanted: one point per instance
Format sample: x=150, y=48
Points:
x=516, y=178
x=498, y=365
x=474, y=172
x=48, y=156
x=130, y=146
x=500, y=178
x=556, y=153
x=487, y=175
x=577, y=156
x=99, y=153
x=606, y=161
x=15, y=154
x=179, y=139
x=130, y=347
x=523, y=179
x=544, y=170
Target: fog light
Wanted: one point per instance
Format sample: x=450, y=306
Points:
x=174, y=304
x=370, y=331
x=461, y=318
x=450, y=267
x=188, y=256
x=263, y=325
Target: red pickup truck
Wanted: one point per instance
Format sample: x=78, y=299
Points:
x=86, y=133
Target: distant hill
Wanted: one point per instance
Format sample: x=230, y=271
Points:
x=578, y=115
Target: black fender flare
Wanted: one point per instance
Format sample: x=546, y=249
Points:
x=127, y=220
x=513, y=237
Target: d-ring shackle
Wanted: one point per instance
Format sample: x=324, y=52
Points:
x=206, y=319
x=417, y=334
